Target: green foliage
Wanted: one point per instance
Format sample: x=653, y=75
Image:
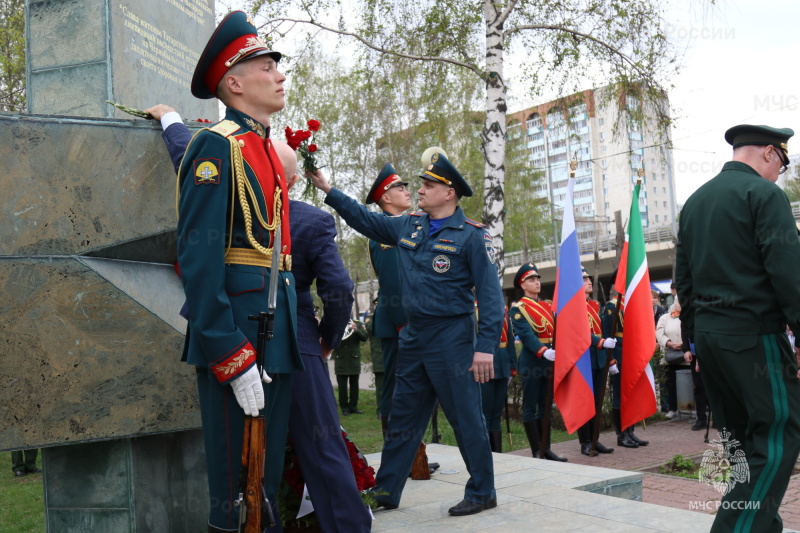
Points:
x=12, y=55
x=22, y=501
x=680, y=466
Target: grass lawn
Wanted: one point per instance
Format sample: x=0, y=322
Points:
x=21, y=499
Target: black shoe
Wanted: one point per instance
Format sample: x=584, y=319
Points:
x=19, y=473
x=625, y=441
x=551, y=456
x=636, y=439
x=33, y=470
x=465, y=507
x=599, y=448
x=356, y=411
x=586, y=449
x=346, y=413
x=698, y=425
x=384, y=505
x=433, y=466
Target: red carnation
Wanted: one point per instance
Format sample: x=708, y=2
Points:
x=312, y=148
x=313, y=125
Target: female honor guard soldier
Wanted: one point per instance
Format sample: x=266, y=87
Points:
x=534, y=325
x=232, y=204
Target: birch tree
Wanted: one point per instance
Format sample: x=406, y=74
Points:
x=12, y=55
x=559, y=45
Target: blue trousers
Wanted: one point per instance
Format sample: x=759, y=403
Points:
x=432, y=363
x=324, y=461
x=493, y=397
x=389, y=348
x=223, y=427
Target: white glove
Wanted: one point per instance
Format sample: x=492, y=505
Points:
x=610, y=343
x=249, y=392
x=613, y=369
x=549, y=354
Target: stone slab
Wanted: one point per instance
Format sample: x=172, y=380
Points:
x=534, y=495
x=83, y=360
x=81, y=53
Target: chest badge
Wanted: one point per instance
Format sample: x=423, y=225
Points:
x=441, y=263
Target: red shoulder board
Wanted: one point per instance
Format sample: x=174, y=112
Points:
x=474, y=223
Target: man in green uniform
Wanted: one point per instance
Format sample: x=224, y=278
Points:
x=737, y=259
x=347, y=366
x=376, y=356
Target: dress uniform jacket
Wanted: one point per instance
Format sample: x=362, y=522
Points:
x=534, y=325
x=437, y=273
x=737, y=258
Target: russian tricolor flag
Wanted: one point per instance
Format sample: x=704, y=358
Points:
x=572, y=379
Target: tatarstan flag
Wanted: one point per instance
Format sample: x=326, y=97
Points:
x=637, y=387
x=572, y=372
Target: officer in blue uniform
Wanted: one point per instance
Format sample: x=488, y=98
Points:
x=443, y=256
x=233, y=201
x=494, y=393
x=389, y=192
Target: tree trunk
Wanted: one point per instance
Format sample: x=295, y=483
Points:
x=493, y=136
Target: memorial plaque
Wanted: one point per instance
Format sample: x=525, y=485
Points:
x=84, y=52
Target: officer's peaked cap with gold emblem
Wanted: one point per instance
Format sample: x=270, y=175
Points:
x=235, y=40
x=387, y=179
x=583, y=271
x=524, y=272
x=745, y=134
x=443, y=171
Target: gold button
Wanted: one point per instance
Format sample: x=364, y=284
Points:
x=288, y=282
x=241, y=143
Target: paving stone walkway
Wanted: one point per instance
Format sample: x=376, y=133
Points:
x=668, y=439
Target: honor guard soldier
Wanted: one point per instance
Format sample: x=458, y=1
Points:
x=737, y=258
x=534, y=325
x=443, y=256
x=233, y=208
x=597, y=352
x=494, y=393
x=625, y=436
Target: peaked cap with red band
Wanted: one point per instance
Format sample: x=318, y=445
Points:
x=524, y=272
x=387, y=179
x=235, y=40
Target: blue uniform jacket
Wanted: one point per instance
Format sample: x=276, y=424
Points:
x=505, y=358
x=389, y=314
x=608, y=323
x=221, y=296
x=437, y=272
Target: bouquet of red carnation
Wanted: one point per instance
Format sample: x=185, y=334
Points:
x=300, y=141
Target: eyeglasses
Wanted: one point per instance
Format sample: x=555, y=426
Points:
x=784, y=162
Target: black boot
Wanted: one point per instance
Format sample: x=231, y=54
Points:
x=496, y=441
x=598, y=447
x=636, y=439
x=623, y=439
x=585, y=439
x=532, y=432
x=548, y=453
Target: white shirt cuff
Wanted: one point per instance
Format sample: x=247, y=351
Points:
x=169, y=119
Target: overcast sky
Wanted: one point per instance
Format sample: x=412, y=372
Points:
x=739, y=69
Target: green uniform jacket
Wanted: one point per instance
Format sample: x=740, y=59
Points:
x=347, y=357
x=752, y=288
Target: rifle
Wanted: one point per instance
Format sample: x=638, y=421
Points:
x=253, y=503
